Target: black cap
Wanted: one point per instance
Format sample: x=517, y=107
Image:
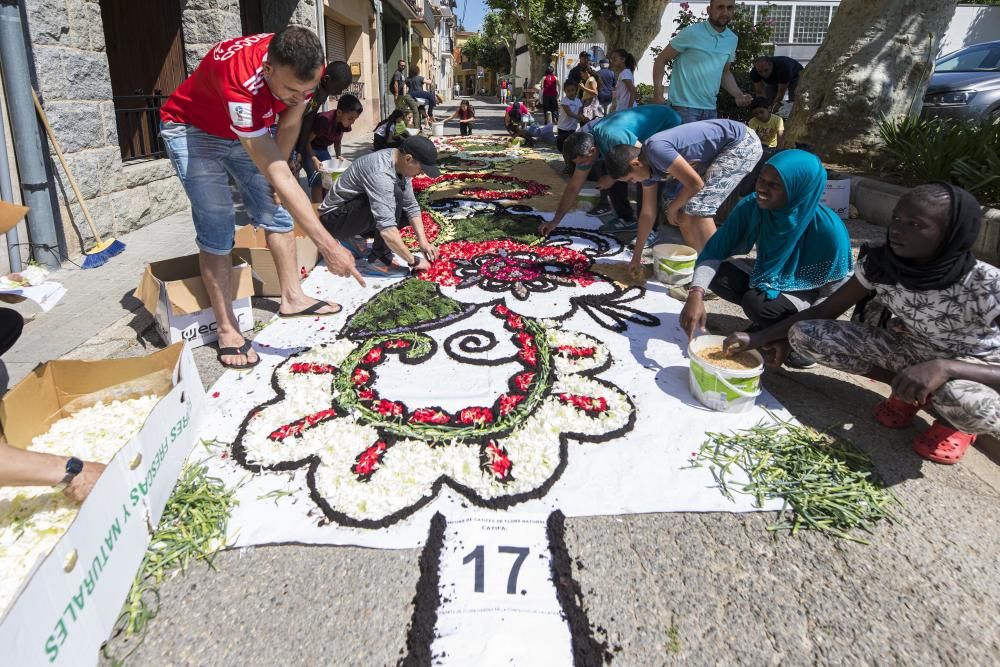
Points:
x=424, y=151
x=585, y=54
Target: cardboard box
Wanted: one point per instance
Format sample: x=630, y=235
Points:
x=173, y=293
x=69, y=604
x=10, y=215
x=838, y=197
x=251, y=247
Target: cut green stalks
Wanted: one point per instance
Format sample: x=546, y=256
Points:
x=193, y=527
x=825, y=484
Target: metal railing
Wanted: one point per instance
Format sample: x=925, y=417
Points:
x=138, y=121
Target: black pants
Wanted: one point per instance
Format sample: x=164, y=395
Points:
x=355, y=219
x=617, y=194
x=733, y=285
x=465, y=129
x=11, y=325
x=551, y=103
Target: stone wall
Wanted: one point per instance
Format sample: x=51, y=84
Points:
x=205, y=22
x=67, y=43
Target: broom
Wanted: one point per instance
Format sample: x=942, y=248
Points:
x=105, y=249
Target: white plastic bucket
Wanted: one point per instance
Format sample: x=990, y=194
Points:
x=673, y=264
x=439, y=129
x=588, y=198
x=413, y=131
x=722, y=389
x=330, y=170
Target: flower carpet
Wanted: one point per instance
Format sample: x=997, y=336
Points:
x=512, y=377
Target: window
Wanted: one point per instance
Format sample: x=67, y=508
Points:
x=811, y=24
x=781, y=20
x=975, y=59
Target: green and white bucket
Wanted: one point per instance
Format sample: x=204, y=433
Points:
x=331, y=170
x=588, y=198
x=673, y=264
x=722, y=389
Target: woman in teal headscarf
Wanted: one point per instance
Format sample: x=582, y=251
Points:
x=803, y=249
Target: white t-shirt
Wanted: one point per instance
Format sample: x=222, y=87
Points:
x=621, y=92
x=569, y=123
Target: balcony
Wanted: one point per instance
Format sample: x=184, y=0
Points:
x=426, y=23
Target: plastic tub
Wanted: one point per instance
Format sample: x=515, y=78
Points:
x=722, y=389
x=438, y=129
x=588, y=198
x=673, y=264
x=330, y=171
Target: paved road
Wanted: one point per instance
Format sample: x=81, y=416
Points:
x=661, y=589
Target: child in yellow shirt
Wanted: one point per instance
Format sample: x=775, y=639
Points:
x=768, y=126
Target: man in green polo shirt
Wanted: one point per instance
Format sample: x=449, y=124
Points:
x=702, y=53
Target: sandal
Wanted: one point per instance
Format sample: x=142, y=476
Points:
x=943, y=444
x=310, y=311
x=894, y=413
x=236, y=351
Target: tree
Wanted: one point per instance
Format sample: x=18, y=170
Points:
x=490, y=48
x=875, y=62
x=546, y=23
x=628, y=24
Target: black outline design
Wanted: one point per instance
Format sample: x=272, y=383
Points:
x=312, y=461
x=606, y=245
x=610, y=306
x=552, y=274
x=469, y=344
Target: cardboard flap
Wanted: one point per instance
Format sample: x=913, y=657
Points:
x=57, y=388
x=179, y=281
x=10, y=215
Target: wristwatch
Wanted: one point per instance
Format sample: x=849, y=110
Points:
x=413, y=264
x=74, y=467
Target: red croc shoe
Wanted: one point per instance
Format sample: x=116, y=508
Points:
x=942, y=443
x=894, y=413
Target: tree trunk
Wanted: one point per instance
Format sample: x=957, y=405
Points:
x=635, y=35
x=876, y=60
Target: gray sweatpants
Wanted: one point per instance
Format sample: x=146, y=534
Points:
x=855, y=348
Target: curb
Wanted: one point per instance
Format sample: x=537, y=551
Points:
x=876, y=199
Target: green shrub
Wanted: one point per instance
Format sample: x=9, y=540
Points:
x=644, y=93
x=918, y=150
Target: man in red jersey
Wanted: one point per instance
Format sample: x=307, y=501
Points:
x=216, y=126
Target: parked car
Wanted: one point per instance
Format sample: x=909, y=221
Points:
x=966, y=85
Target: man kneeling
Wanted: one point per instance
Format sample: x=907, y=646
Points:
x=374, y=198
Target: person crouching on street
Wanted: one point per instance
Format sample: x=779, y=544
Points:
x=933, y=335
x=374, y=198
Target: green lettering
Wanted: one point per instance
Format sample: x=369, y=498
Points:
x=127, y=513
x=51, y=648
x=69, y=608
x=61, y=631
x=79, y=598
x=88, y=582
x=143, y=487
x=134, y=495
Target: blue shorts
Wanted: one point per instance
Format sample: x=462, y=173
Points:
x=205, y=163
x=691, y=115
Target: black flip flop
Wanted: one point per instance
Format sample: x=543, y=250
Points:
x=234, y=351
x=311, y=311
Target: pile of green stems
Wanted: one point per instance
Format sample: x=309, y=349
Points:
x=824, y=483
x=192, y=527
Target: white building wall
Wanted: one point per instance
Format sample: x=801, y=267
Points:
x=971, y=24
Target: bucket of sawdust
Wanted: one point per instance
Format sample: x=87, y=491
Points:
x=330, y=170
x=438, y=129
x=673, y=264
x=588, y=198
x=726, y=384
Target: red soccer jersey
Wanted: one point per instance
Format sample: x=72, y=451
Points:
x=227, y=95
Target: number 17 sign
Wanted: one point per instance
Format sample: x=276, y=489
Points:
x=498, y=605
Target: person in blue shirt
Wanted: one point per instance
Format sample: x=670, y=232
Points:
x=586, y=148
x=606, y=84
x=702, y=54
x=803, y=249
x=708, y=158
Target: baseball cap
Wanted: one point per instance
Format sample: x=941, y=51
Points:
x=424, y=151
x=585, y=54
